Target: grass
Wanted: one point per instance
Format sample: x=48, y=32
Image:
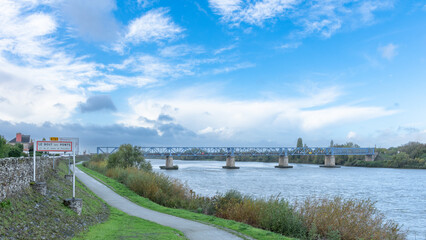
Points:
x=238, y=227
x=30, y=215
x=123, y=226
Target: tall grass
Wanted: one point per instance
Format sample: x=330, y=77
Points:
x=312, y=218
x=351, y=218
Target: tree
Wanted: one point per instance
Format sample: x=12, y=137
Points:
x=400, y=159
x=331, y=143
x=15, y=151
x=299, y=142
x=128, y=156
x=4, y=148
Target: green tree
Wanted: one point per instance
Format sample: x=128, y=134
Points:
x=128, y=156
x=299, y=142
x=331, y=143
x=400, y=159
x=4, y=148
x=15, y=151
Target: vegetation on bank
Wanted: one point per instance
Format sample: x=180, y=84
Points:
x=310, y=219
x=410, y=155
x=31, y=215
x=238, y=227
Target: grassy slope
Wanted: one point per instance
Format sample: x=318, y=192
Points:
x=30, y=215
x=33, y=216
x=123, y=226
x=132, y=196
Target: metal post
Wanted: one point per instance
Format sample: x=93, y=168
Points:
x=73, y=173
x=34, y=156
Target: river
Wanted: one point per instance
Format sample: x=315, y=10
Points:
x=399, y=193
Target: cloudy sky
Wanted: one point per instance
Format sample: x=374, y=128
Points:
x=214, y=72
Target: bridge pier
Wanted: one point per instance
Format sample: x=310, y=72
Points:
x=169, y=164
x=283, y=162
x=330, y=162
x=230, y=163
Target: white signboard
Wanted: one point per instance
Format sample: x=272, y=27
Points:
x=73, y=140
x=54, y=146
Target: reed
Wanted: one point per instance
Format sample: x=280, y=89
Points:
x=312, y=218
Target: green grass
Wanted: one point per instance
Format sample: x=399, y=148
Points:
x=221, y=223
x=29, y=215
x=123, y=226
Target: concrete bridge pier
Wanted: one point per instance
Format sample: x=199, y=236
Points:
x=230, y=163
x=330, y=162
x=169, y=164
x=283, y=162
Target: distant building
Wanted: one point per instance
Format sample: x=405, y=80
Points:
x=23, y=139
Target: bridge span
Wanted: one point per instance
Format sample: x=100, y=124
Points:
x=230, y=153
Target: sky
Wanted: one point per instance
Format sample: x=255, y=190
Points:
x=214, y=72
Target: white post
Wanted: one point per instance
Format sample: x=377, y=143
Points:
x=34, y=155
x=73, y=173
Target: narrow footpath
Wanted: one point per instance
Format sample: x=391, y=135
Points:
x=192, y=230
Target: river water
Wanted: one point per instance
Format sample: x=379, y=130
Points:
x=399, y=193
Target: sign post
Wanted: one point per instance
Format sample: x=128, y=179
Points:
x=55, y=146
x=73, y=174
x=34, y=157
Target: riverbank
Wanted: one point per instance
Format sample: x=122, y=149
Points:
x=282, y=217
x=243, y=229
x=419, y=164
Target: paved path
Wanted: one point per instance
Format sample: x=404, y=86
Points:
x=191, y=229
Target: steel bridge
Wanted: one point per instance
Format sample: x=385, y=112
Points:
x=244, y=151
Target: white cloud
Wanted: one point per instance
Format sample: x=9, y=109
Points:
x=290, y=45
x=388, y=51
x=201, y=110
x=351, y=135
x=224, y=49
x=155, y=25
x=152, y=69
x=39, y=80
x=232, y=68
x=256, y=13
x=101, y=86
x=221, y=132
x=92, y=20
x=146, y=3
x=180, y=50
x=23, y=34
x=322, y=17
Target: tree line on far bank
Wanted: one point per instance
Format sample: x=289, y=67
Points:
x=410, y=155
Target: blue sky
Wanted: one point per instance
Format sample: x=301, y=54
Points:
x=214, y=72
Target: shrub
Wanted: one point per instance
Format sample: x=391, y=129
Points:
x=279, y=216
x=128, y=156
x=350, y=219
x=309, y=219
x=98, y=157
x=236, y=207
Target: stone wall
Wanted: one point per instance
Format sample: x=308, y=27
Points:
x=17, y=173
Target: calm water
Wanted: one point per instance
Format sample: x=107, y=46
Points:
x=400, y=193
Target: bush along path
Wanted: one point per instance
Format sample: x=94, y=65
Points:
x=191, y=229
